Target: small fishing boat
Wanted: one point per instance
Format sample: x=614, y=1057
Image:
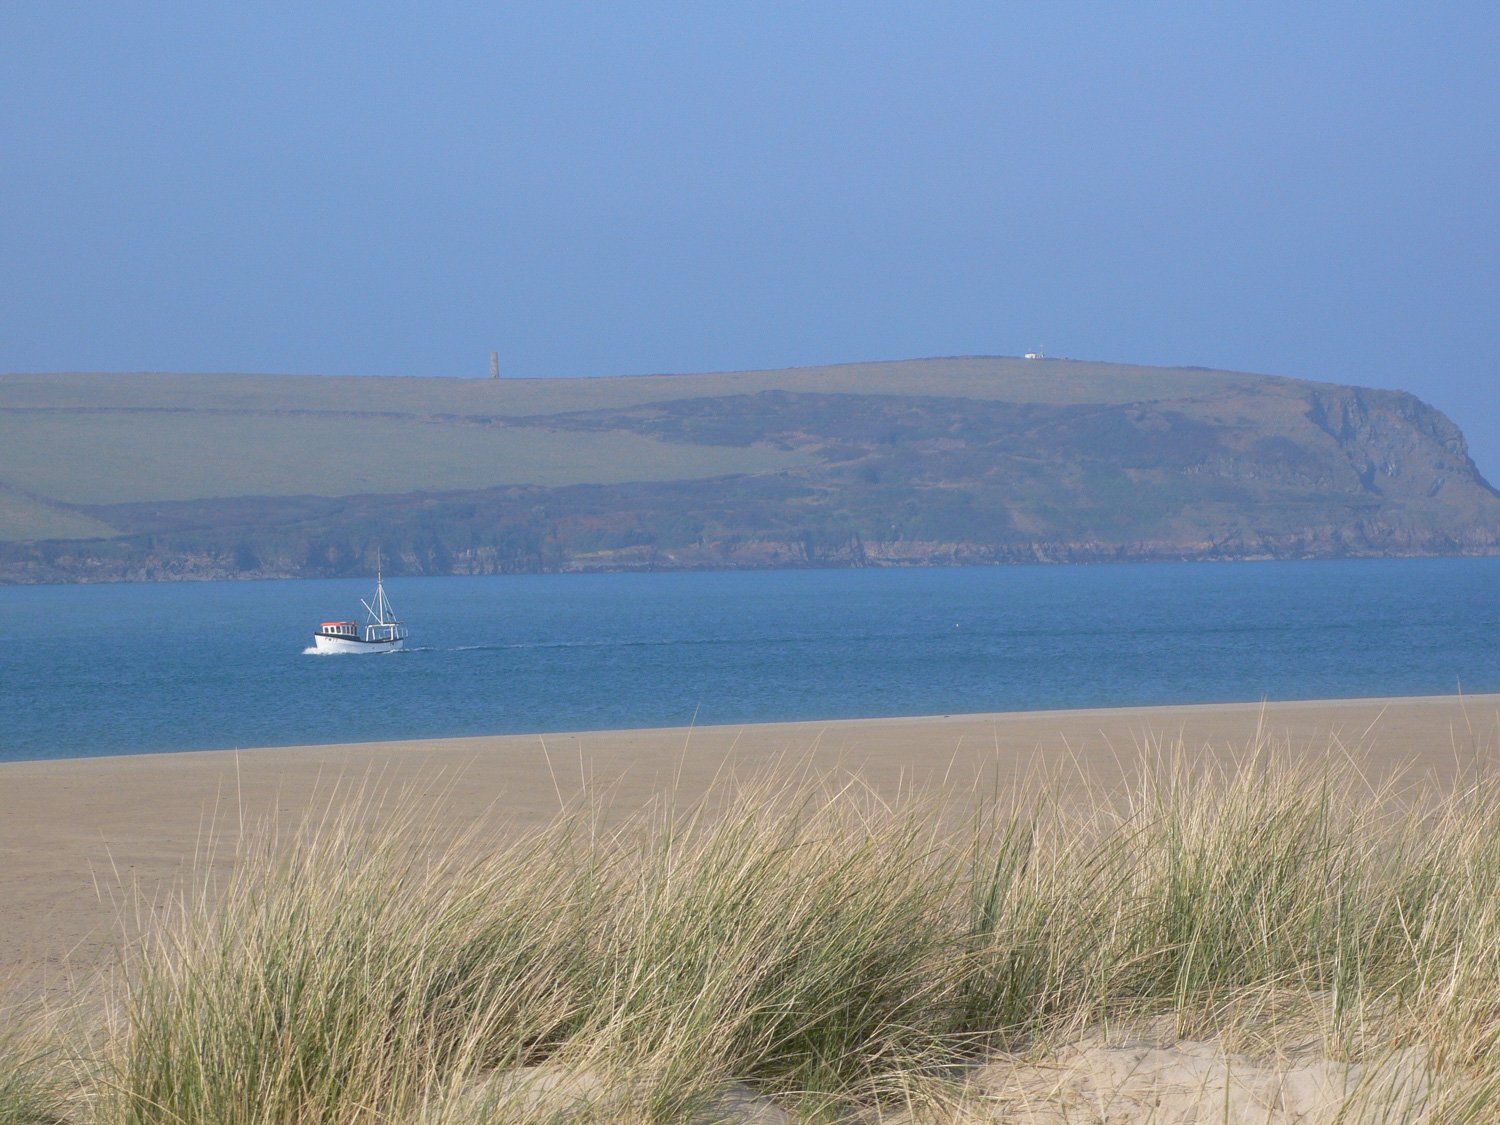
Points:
x=381, y=631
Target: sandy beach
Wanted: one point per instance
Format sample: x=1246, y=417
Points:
x=76, y=833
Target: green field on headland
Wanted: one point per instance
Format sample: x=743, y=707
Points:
x=1267, y=937
x=969, y=460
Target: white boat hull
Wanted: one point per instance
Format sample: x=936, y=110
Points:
x=326, y=644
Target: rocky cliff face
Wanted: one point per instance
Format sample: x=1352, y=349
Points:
x=1396, y=444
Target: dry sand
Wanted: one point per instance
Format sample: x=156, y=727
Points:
x=74, y=832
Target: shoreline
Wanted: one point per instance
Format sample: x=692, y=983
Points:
x=79, y=834
x=1063, y=717
x=19, y=570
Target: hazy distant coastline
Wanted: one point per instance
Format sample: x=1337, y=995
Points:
x=974, y=460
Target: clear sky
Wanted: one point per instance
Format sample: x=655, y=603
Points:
x=1308, y=190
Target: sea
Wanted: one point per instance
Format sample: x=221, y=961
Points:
x=151, y=667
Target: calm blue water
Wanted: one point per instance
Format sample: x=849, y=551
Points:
x=173, y=666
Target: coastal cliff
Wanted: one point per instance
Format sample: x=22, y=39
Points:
x=929, y=463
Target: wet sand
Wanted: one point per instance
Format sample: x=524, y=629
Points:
x=77, y=834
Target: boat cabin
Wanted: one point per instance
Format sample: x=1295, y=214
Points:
x=339, y=629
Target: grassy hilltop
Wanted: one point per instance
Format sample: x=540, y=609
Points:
x=974, y=459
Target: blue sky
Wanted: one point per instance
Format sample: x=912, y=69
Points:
x=1308, y=190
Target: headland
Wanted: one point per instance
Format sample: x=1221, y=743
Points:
x=976, y=460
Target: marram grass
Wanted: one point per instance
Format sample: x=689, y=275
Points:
x=33, y=1085
x=804, y=937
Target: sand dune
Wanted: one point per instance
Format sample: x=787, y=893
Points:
x=76, y=834
x=82, y=838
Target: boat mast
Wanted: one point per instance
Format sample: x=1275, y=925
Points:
x=382, y=606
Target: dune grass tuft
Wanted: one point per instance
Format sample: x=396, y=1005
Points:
x=808, y=940
x=34, y=1087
